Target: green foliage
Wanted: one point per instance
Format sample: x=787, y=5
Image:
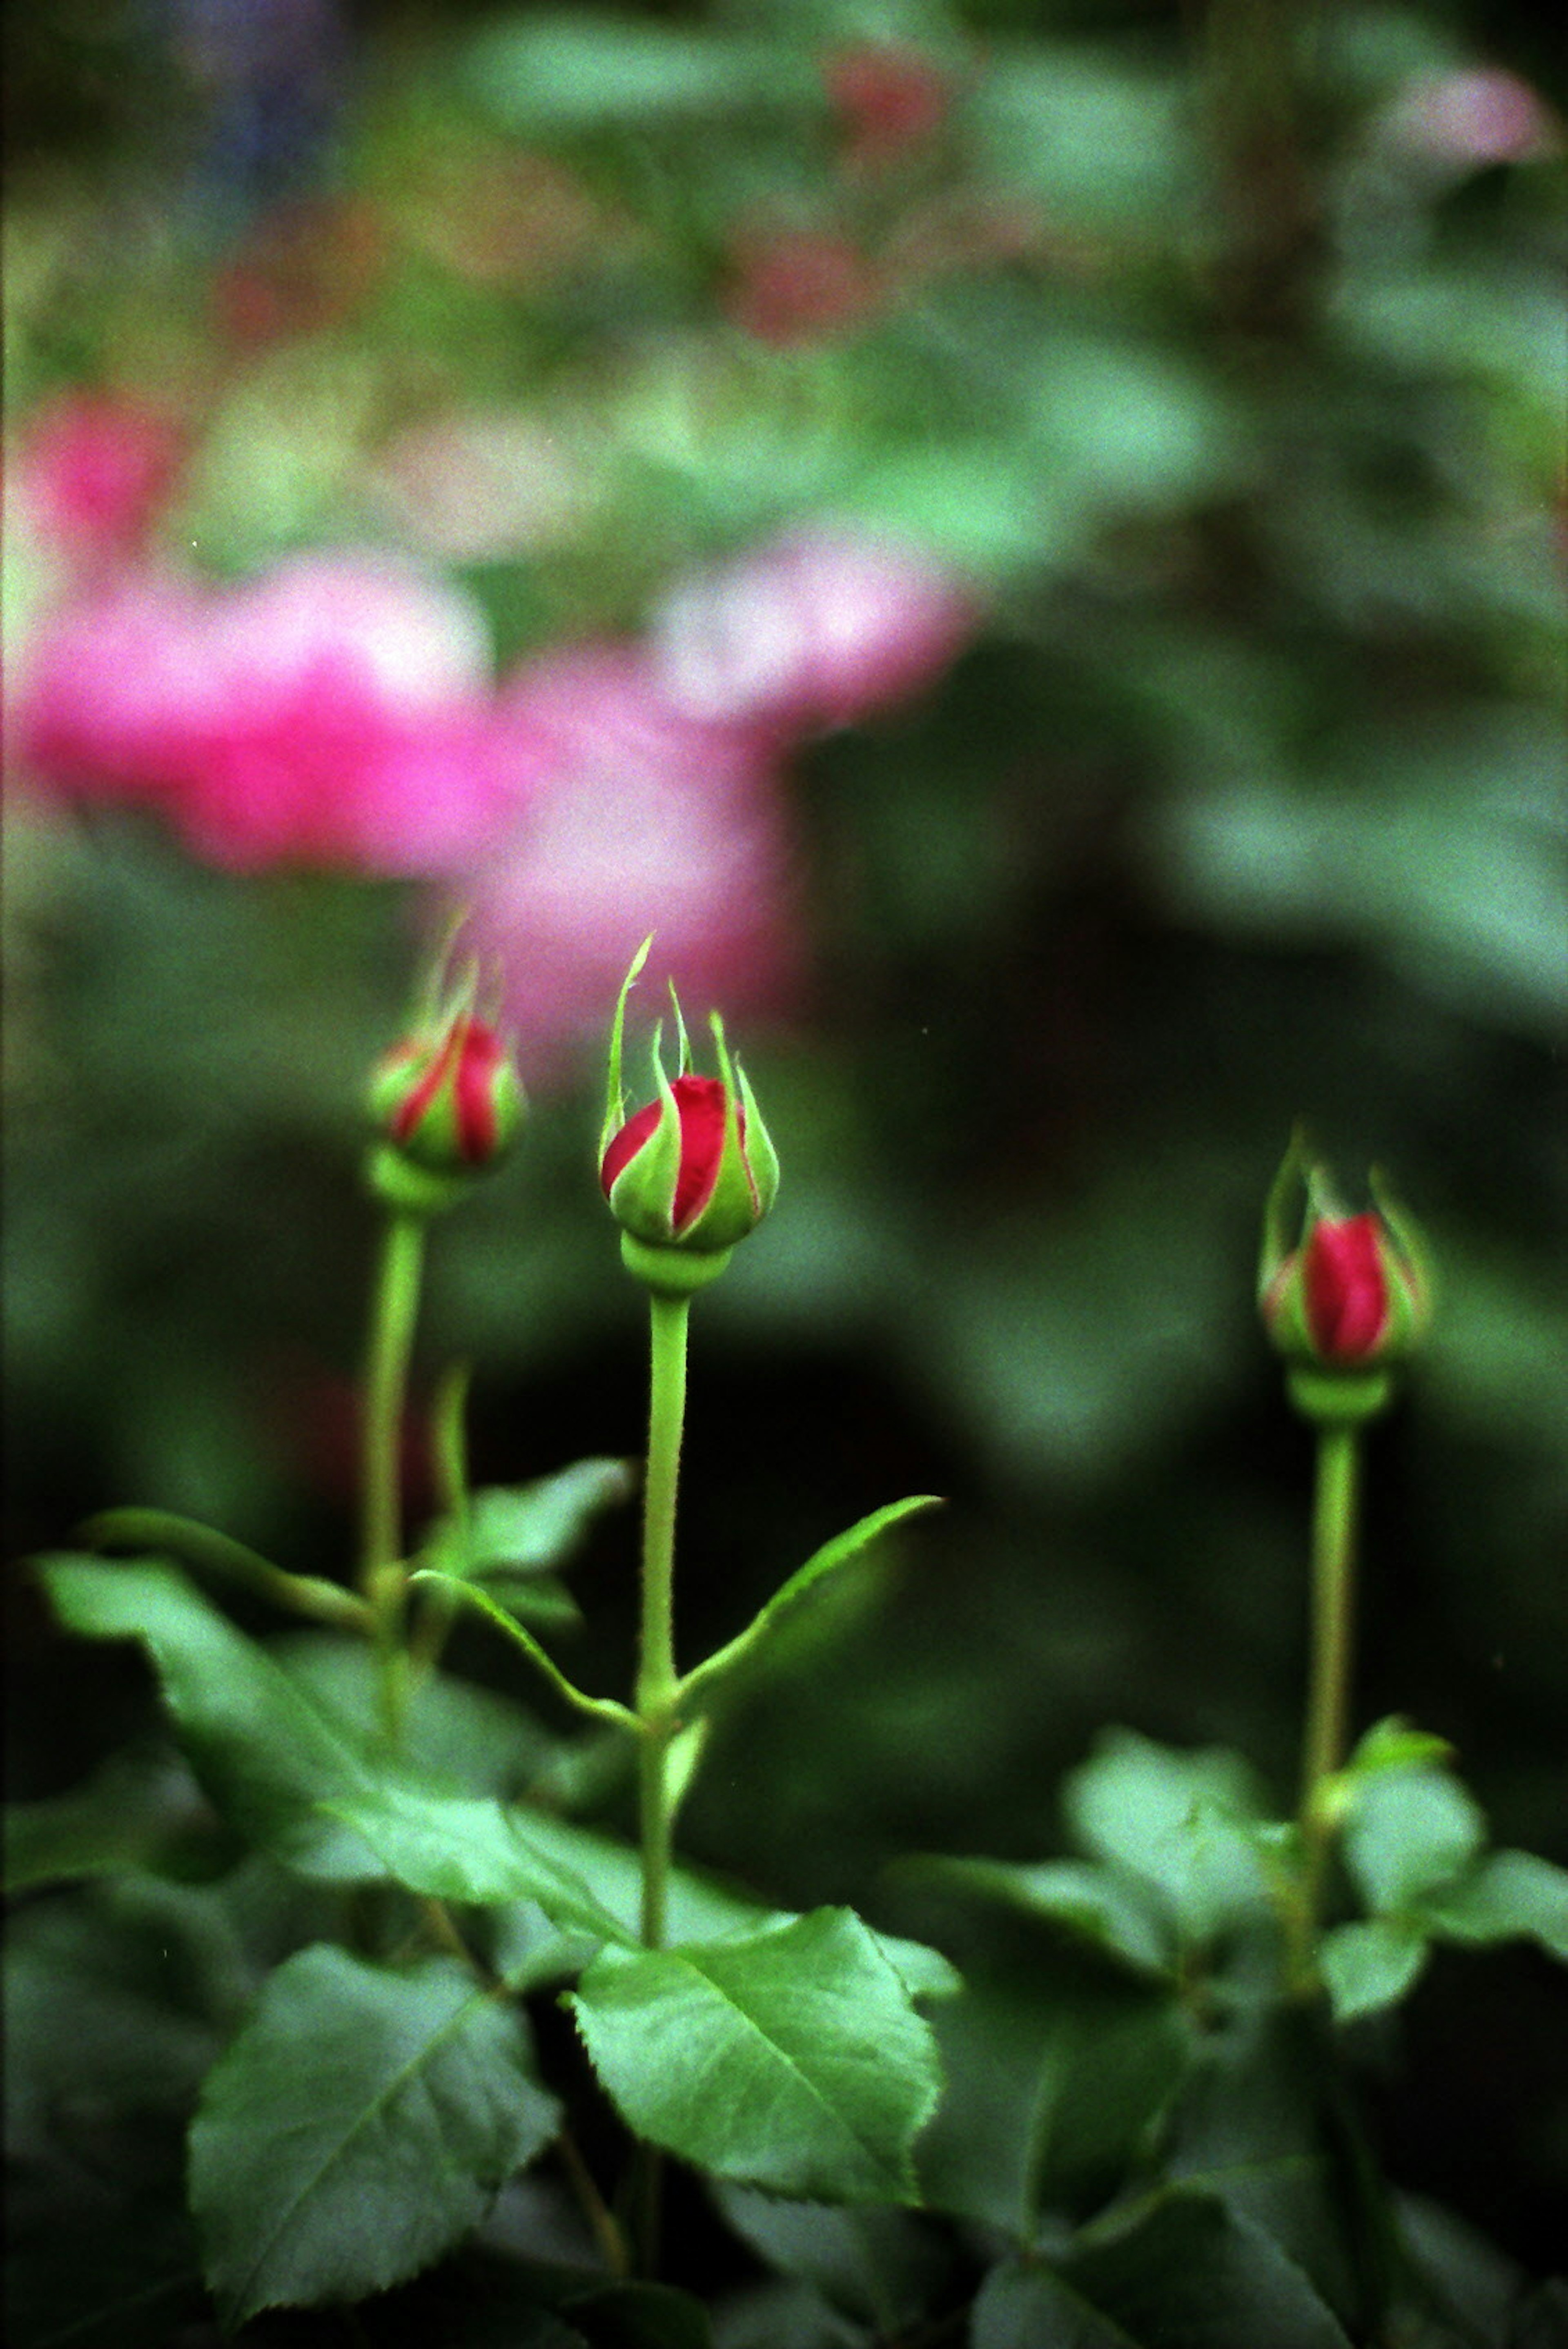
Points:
x=789, y=2059
x=421, y=2104
x=1232, y=393
x=1186, y=2270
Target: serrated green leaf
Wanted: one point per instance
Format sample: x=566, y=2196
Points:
x=1367, y=1967
x=791, y=2059
x=355, y=2128
x=702, y=1683
x=265, y=1750
x=1180, y=1822
x=1509, y=1894
x=1408, y=1831
x=1187, y=2272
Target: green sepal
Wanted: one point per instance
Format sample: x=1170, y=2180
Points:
x=670, y=1271
x=1339, y=1398
x=409, y=1190
x=615, y=1094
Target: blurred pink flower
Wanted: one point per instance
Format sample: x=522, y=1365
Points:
x=643, y=818
x=91, y=472
x=1461, y=123
x=818, y=630
x=334, y=711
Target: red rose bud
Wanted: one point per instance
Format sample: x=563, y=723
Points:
x=448, y=1102
x=689, y=1173
x=1348, y=1301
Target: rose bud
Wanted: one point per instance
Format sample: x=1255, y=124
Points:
x=690, y=1172
x=1348, y=1301
x=448, y=1104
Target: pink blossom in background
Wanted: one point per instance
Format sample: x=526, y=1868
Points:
x=335, y=711
x=90, y=473
x=820, y=630
x=1455, y=123
x=639, y=817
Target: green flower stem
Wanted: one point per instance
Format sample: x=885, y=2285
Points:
x=382, y=1575
x=657, y=1683
x=658, y=1688
x=448, y=1460
x=1328, y=1694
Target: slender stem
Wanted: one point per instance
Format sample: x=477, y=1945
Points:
x=448, y=1460
x=600, y=2218
x=657, y=1681
x=381, y=1573
x=1328, y=1693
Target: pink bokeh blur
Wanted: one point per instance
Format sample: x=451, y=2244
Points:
x=340, y=711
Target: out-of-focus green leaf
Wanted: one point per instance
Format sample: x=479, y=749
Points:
x=789, y=2059
x=1176, y=1821
x=1410, y=1831
x=1108, y=1908
x=1186, y=2270
x=355, y=2128
x=463, y=1735
x=466, y=1848
x=1370, y=1966
x=1506, y=1894
x=526, y=1529
x=134, y=1811
x=263, y=1746
x=578, y=71
x=1103, y=140
x=879, y=2267
x=1055, y=2089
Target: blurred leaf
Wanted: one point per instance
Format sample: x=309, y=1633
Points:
x=466, y=1848
x=355, y=2128
x=1103, y=139
x=1187, y=2271
x=469, y=1736
x=136, y=1811
x=1408, y=1831
x=1177, y=1821
x=116, y=2003
x=1507, y=1894
x=1262, y=2124
x=791, y=2059
x=526, y=1529
x=632, y=2316
x=1104, y=1905
x=1055, y=2088
x=1370, y=1966
x=266, y=1750
x=881, y=2267
x=1447, y=858
x=563, y=73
